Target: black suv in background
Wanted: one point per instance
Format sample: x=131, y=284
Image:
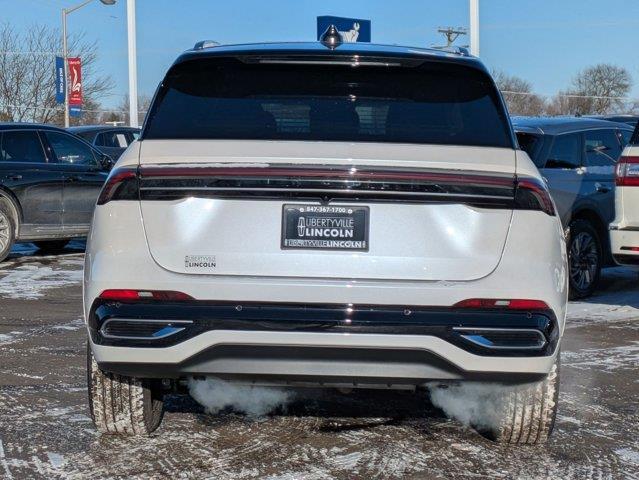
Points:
x=49, y=182
x=577, y=157
x=110, y=140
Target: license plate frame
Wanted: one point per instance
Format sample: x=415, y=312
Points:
x=347, y=227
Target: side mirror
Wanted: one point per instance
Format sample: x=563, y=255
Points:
x=106, y=163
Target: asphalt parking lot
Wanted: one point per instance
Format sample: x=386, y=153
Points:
x=46, y=432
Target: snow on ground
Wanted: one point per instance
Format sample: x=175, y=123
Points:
x=26, y=275
x=46, y=432
x=30, y=281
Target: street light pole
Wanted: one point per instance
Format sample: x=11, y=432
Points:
x=64, y=63
x=133, y=69
x=474, y=27
x=65, y=53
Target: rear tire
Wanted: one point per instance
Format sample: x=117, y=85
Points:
x=528, y=413
x=7, y=232
x=585, y=257
x=120, y=404
x=51, y=246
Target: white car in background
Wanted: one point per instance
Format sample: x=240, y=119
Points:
x=624, y=230
x=310, y=214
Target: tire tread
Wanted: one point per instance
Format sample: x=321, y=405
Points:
x=120, y=404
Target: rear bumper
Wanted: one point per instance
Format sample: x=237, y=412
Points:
x=319, y=358
x=624, y=245
x=327, y=344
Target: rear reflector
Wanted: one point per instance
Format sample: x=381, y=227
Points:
x=630, y=249
x=123, y=295
x=627, y=172
x=508, y=304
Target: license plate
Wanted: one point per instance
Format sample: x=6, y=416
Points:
x=324, y=227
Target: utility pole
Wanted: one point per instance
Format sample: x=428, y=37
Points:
x=451, y=34
x=474, y=27
x=133, y=69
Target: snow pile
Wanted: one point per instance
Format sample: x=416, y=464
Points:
x=216, y=395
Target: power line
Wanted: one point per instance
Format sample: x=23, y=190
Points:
x=6, y=52
x=571, y=95
x=61, y=108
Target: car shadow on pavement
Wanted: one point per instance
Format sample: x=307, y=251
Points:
x=22, y=250
x=360, y=409
x=618, y=286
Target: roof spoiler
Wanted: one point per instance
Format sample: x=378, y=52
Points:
x=202, y=44
x=463, y=51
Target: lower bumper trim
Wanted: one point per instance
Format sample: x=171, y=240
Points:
x=317, y=366
x=510, y=337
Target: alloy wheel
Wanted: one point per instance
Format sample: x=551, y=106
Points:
x=5, y=231
x=584, y=260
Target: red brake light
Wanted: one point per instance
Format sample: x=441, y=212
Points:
x=508, y=304
x=627, y=172
x=123, y=295
x=122, y=184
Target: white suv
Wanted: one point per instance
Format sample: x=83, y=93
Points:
x=624, y=230
x=352, y=216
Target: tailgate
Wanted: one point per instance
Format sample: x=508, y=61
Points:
x=355, y=211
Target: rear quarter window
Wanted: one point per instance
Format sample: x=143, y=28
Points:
x=532, y=145
x=433, y=103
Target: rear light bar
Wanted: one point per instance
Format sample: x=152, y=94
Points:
x=627, y=172
x=506, y=304
x=630, y=249
x=532, y=194
x=329, y=183
x=332, y=172
x=124, y=295
x=122, y=184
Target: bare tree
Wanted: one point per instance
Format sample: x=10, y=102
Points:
x=27, y=74
x=518, y=95
x=121, y=112
x=599, y=89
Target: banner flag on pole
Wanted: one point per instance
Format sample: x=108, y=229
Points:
x=75, y=79
x=60, y=81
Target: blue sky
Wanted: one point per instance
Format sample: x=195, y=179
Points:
x=544, y=41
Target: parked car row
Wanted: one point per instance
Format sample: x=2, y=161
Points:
x=110, y=140
x=50, y=180
x=577, y=158
x=286, y=218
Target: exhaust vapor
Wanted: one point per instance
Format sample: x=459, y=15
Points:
x=216, y=395
x=476, y=405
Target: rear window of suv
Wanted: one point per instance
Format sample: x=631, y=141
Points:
x=225, y=98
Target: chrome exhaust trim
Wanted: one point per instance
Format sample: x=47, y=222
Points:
x=142, y=329
x=503, y=338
